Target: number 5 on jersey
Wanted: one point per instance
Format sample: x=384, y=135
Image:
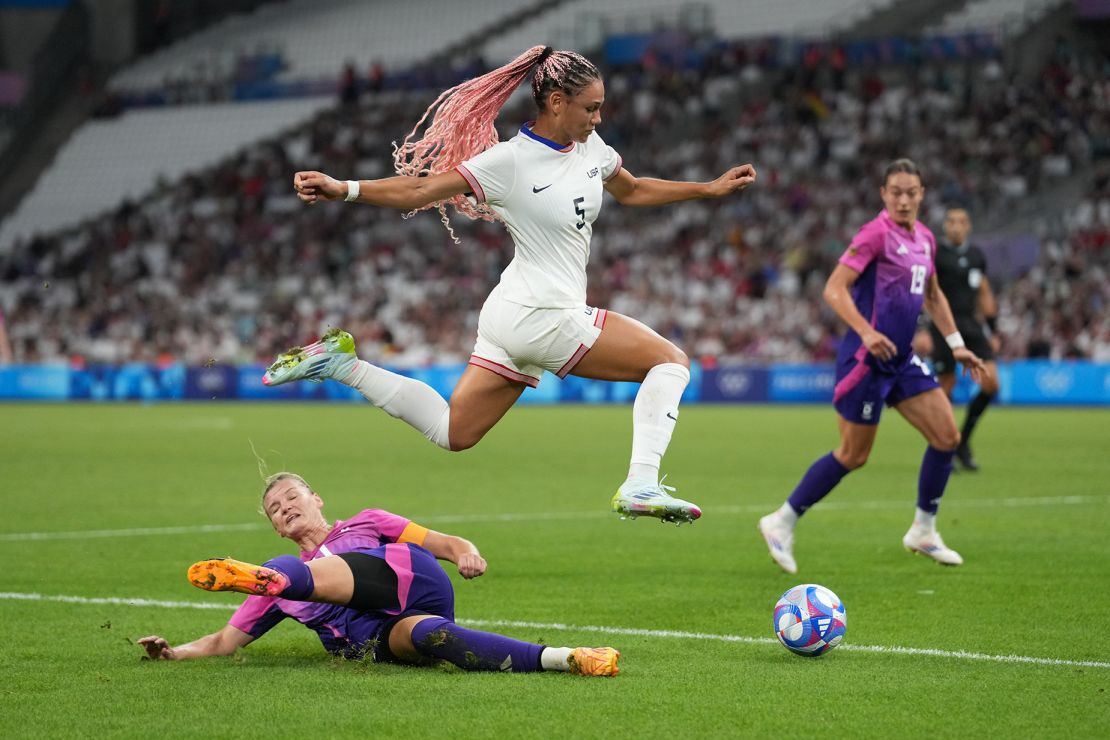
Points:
x=580, y=212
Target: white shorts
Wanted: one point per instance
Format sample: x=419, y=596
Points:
x=520, y=342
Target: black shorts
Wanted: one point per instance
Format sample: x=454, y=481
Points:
x=974, y=337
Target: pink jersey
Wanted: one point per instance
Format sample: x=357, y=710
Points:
x=895, y=266
x=367, y=530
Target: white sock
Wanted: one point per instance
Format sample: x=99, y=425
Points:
x=924, y=520
x=415, y=403
x=555, y=659
x=654, y=414
x=787, y=515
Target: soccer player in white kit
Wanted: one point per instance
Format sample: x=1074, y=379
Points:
x=545, y=184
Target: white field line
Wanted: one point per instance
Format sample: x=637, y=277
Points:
x=116, y=601
x=91, y=534
x=1015, y=502
x=629, y=631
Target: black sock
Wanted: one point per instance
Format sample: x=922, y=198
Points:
x=975, y=409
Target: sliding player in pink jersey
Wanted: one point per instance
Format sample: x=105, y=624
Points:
x=546, y=185
x=368, y=586
x=879, y=288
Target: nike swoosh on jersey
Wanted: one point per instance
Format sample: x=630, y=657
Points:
x=540, y=190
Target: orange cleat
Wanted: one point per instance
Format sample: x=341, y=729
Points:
x=225, y=574
x=594, y=661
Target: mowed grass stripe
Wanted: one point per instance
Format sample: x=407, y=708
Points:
x=1032, y=525
x=603, y=630
x=514, y=517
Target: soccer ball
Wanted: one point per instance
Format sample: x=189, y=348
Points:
x=810, y=620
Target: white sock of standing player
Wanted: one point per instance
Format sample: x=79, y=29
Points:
x=415, y=403
x=654, y=414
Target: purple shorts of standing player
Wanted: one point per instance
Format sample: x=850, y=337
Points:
x=862, y=387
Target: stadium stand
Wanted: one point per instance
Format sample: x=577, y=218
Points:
x=1058, y=309
x=583, y=24
x=993, y=15
x=124, y=158
x=226, y=264
x=204, y=67
x=313, y=36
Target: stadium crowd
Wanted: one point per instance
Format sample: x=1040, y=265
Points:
x=227, y=265
x=1061, y=307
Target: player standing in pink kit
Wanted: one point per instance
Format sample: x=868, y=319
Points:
x=879, y=288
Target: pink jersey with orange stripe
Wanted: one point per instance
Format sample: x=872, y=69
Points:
x=367, y=530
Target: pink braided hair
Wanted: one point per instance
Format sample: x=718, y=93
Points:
x=463, y=119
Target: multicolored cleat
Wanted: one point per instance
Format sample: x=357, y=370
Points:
x=594, y=661
x=225, y=574
x=647, y=498
x=333, y=356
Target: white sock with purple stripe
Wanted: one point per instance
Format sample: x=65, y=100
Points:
x=415, y=403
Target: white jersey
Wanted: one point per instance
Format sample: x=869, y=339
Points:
x=548, y=196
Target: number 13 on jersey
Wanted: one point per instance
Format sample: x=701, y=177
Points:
x=917, y=278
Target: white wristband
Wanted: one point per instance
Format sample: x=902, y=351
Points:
x=955, y=340
x=352, y=190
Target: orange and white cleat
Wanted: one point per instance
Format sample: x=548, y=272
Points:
x=594, y=661
x=225, y=574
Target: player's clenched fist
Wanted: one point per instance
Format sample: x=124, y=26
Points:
x=312, y=186
x=737, y=178
x=471, y=565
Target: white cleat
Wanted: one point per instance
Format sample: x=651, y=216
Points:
x=331, y=357
x=647, y=498
x=780, y=541
x=929, y=543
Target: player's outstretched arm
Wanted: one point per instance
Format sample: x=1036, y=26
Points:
x=405, y=193
x=630, y=190
x=461, y=552
x=224, y=642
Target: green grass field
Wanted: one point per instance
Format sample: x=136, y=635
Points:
x=1033, y=527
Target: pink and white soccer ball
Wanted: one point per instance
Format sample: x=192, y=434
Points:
x=810, y=620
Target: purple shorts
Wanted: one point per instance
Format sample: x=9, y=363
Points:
x=862, y=389
x=423, y=588
x=429, y=591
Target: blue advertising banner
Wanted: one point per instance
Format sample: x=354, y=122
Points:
x=802, y=383
x=35, y=382
x=1045, y=382
x=1023, y=382
x=130, y=382
x=736, y=384
x=216, y=382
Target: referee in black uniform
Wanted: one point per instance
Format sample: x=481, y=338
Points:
x=962, y=274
